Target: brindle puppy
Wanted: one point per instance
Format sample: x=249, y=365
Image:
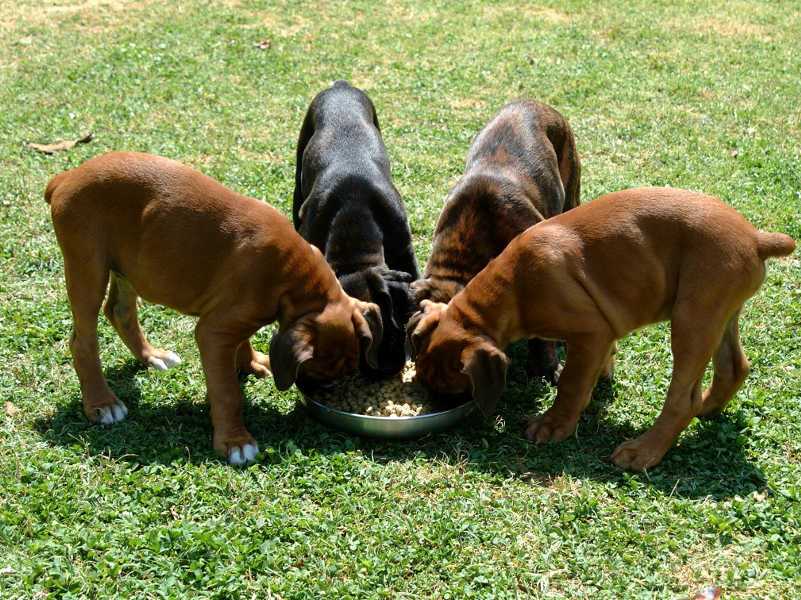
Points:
x=346, y=205
x=521, y=169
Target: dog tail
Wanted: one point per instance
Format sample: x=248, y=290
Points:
x=569, y=168
x=51, y=187
x=774, y=244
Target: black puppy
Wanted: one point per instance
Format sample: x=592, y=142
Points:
x=346, y=205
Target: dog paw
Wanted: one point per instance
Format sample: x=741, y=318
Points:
x=244, y=454
x=163, y=360
x=549, y=373
x=637, y=455
x=108, y=415
x=549, y=428
x=259, y=366
x=553, y=377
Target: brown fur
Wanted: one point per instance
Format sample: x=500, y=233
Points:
x=521, y=169
x=589, y=277
x=162, y=231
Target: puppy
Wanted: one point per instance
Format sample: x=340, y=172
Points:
x=162, y=231
x=346, y=204
x=593, y=275
x=521, y=169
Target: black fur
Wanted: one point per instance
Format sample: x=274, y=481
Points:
x=346, y=205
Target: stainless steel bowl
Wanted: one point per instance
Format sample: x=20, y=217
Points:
x=395, y=428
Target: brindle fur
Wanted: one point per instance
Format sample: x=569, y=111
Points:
x=521, y=169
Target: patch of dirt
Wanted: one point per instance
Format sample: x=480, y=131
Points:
x=705, y=566
x=728, y=27
x=94, y=14
x=550, y=15
x=463, y=103
x=278, y=24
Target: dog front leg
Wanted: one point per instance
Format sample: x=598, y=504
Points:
x=218, y=353
x=586, y=358
x=543, y=360
x=402, y=258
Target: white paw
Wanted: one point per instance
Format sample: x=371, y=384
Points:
x=108, y=415
x=169, y=360
x=244, y=455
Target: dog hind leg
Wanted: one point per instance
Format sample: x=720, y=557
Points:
x=730, y=370
x=121, y=312
x=693, y=342
x=86, y=278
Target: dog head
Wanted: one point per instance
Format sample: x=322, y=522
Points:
x=323, y=346
x=389, y=290
x=451, y=359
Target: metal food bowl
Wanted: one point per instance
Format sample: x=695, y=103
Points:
x=395, y=428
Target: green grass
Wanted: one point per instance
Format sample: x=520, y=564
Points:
x=696, y=95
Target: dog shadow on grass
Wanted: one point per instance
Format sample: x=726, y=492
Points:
x=709, y=461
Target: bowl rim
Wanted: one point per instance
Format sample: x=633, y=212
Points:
x=344, y=413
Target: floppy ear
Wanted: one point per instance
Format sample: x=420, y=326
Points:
x=288, y=351
x=370, y=329
x=384, y=302
x=485, y=365
x=421, y=326
x=379, y=293
x=402, y=302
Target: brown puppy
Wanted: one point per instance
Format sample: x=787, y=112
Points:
x=173, y=236
x=593, y=275
x=521, y=169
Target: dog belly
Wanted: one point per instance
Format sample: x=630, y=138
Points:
x=184, y=281
x=177, y=296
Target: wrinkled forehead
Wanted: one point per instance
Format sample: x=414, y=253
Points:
x=437, y=289
x=336, y=331
x=336, y=314
x=446, y=327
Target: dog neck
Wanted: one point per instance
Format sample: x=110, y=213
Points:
x=487, y=305
x=310, y=283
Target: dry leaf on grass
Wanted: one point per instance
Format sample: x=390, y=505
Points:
x=11, y=410
x=59, y=146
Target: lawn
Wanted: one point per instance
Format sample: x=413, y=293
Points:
x=701, y=95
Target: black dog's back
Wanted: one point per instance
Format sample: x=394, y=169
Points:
x=346, y=204
x=336, y=140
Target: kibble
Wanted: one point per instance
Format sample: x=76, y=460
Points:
x=399, y=396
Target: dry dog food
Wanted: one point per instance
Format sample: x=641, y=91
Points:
x=400, y=396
